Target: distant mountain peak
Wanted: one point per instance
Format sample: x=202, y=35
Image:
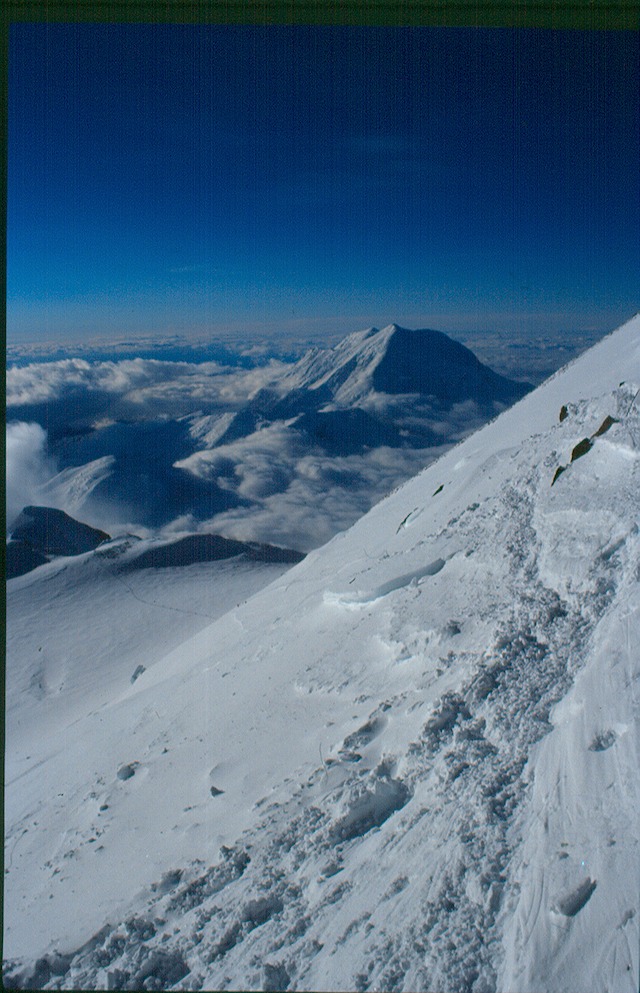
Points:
x=398, y=360
x=389, y=387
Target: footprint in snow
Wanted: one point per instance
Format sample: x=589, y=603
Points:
x=362, y=737
x=573, y=902
x=127, y=771
x=602, y=741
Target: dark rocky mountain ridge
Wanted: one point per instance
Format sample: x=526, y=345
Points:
x=42, y=532
x=53, y=532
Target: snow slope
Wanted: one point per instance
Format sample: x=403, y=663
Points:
x=408, y=763
x=81, y=626
x=73, y=486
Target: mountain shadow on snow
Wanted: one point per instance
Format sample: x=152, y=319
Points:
x=22, y=558
x=40, y=532
x=431, y=363
x=143, y=476
x=210, y=548
x=347, y=432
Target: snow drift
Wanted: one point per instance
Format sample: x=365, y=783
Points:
x=408, y=763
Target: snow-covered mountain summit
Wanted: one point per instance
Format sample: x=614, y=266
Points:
x=282, y=452
x=397, y=360
x=341, y=427
x=373, y=376
x=408, y=763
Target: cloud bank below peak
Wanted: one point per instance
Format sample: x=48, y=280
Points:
x=137, y=381
x=281, y=452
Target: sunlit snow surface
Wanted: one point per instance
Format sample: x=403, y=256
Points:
x=408, y=763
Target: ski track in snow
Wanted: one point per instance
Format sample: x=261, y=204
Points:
x=454, y=834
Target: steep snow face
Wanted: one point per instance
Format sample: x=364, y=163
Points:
x=73, y=486
x=321, y=364
x=409, y=763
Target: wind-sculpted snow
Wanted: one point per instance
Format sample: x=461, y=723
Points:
x=408, y=764
x=396, y=583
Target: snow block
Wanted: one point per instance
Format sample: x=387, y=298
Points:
x=452, y=709
x=257, y=912
x=274, y=978
x=214, y=879
x=371, y=808
x=160, y=971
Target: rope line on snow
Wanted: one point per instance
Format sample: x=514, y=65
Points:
x=117, y=572
x=161, y=606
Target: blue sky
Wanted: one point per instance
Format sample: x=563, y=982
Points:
x=176, y=179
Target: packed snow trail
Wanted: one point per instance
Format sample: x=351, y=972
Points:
x=408, y=764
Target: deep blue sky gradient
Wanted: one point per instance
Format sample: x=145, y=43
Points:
x=176, y=179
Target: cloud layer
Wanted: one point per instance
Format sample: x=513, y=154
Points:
x=299, y=496
x=139, y=389
x=136, y=443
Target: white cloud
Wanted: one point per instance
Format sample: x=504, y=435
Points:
x=28, y=466
x=291, y=493
x=255, y=467
x=299, y=496
x=49, y=380
x=142, y=389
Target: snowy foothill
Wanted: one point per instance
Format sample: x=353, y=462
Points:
x=407, y=763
